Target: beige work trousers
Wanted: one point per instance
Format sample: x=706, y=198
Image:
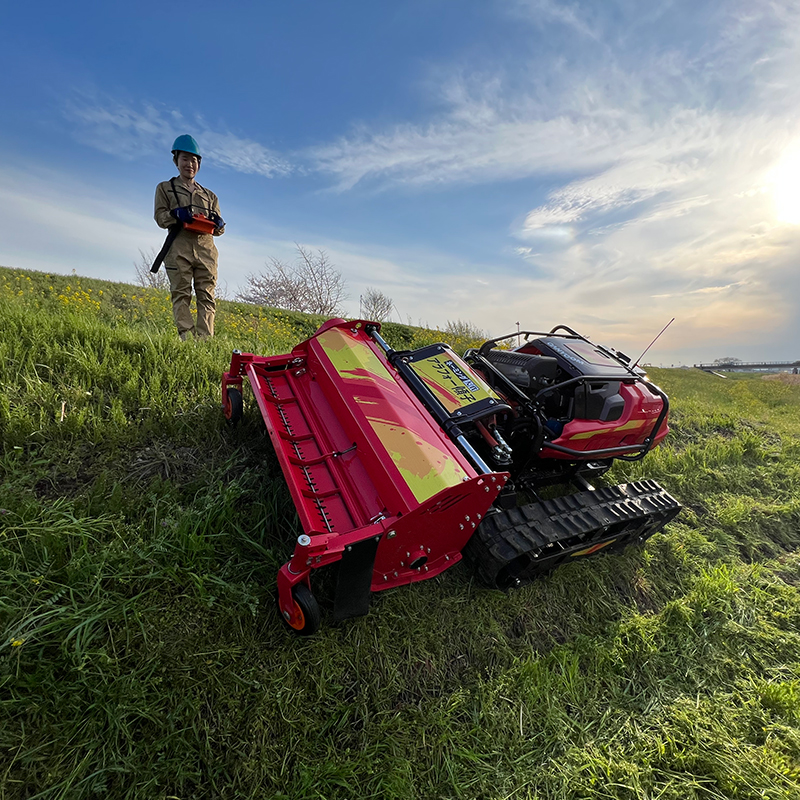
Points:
x=183, y=272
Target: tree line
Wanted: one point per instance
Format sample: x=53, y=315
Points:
x=312, y=284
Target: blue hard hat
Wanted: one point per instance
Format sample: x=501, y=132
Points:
x=186, y=144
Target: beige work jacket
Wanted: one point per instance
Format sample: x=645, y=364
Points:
x=188, y=244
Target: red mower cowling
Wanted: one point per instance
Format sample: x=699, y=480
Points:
x=399, y=461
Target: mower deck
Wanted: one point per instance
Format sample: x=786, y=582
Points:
x=365, y=462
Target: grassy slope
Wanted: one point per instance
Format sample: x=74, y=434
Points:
x=141, y=656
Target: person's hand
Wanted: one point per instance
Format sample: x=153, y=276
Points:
x=218, y=221
x=183, y=214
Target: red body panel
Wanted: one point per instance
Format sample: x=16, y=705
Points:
x=632, y=428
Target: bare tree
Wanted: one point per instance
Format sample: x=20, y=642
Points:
x=463, y=329
x=312, y=284
x=154, y=280
x=221, y=290
x=375, y=305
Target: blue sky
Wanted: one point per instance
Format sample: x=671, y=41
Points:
x=605, y=165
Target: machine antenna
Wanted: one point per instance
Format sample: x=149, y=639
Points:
x=652, y=343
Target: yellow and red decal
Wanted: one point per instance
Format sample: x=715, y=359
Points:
x=420, y=451
x=352, y=358
x=452, y=382
x=593, y=549
x=632, y=425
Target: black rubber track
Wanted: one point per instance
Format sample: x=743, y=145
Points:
x=512, y=547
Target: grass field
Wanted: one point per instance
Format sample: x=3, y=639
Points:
x=141, y=655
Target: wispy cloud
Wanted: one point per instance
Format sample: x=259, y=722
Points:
x=242, y=155
x=133, y=131
x=476, y=142
x=647, y=110
x=707, y=290
x=542, y=12
x=633, y=181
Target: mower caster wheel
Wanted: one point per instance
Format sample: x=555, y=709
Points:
x=307, y=616
x=234, y=408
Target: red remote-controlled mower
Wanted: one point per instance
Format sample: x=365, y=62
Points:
x=399, y=462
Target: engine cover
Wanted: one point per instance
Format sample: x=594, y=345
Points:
x=524, y=370
x=577, y=357
x=595, y=399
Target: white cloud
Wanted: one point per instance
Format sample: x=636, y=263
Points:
x=541, y=12
x=115, y=128
x=474, y=144
x=625, y=184
x=607, y=107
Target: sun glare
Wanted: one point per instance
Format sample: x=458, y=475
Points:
x=786, y=188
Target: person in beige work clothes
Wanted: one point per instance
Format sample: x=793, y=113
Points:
x=192, y=258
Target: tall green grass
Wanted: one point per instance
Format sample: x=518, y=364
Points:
x=141, y=655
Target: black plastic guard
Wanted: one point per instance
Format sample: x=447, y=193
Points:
x=355, y=579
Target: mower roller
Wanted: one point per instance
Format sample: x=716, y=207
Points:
x=399, y=462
